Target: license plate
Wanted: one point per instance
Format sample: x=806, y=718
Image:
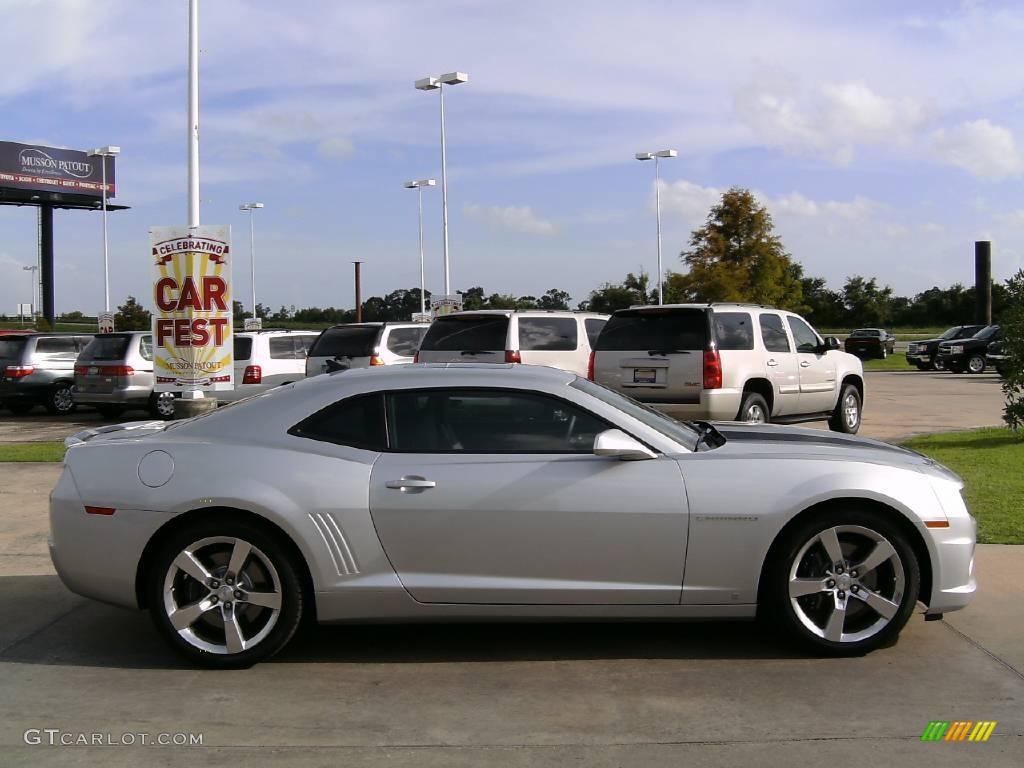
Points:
x=93, y=370
x=644, y=375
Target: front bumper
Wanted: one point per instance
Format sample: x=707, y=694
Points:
x=953, y=577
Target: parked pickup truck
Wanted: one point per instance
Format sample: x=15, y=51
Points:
x=924, y=353
x=968, y=354
x=868, y=343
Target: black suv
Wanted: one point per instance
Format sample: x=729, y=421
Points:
x=923, y=353
x=39, y=369
x=968, y=354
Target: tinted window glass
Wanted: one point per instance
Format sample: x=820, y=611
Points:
x=662, y=330
x=867, y=332
x=773, y=334
x=467, y=332
x=550, y=334
x=346, y=341
x=357, y=422
x=733, y=330
x=594, y=326
x=806, y=339
x=146, y=347
x=243, y=348
x=107, y=347
x=670, y=428
x=282, y=348
x=405, y=341
x=488, y=421
x=987, y=333
x=303, y=343
x=56, y=345
x=11, y=349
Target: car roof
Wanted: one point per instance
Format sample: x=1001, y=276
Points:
x=267, y=331
x=510, y=312
x=705, y=305
x=441, y=374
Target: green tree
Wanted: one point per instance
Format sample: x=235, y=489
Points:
x=132, y=316
x=635, y=289
x=554, y=298
x=867, y=303
x=736, y=256
x=1013, y=345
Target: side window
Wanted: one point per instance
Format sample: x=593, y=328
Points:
x=806, y=339
x=81, y=342
x=282, y=348
x=733, y=331
x=146, y=347
x=302, y=345
x=405, y=341
x=773, y=334
x=547, y=334
x=593, y=326
x=57, y=345
x=488, y=421
x=357, y=422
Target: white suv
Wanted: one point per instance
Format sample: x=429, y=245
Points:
x=730, y=362
x=557, y=339
x=265, y=359
x=361, y=345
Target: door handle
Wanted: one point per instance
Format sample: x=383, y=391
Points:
x=412, y=481
x=805, y=364
x=772, y=363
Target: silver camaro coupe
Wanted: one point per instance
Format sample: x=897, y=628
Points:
x=499, y=492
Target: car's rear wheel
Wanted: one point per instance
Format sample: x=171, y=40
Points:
x=847, y=414
x=885, y=352
x=161, y=405
x=754, y=409
x=844, y=582
x=976, y=364
x=58, y=401
x=110, y=411
x=225, y=593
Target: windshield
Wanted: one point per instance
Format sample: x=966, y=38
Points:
x=952, y=333
x=681, y=433
x=987, y=333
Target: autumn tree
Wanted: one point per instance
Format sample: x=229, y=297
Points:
x=736, y=256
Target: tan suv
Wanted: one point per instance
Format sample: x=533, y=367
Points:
x=730, y=362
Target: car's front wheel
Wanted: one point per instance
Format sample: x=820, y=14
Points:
x=844, y=582
x=225, y=593
x=847, y=414
x=976, y=364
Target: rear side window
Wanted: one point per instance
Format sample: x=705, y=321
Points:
x=593, y=326
x=11, y=349
x=548, y=334
x=773, y=334
x=303, y=343
x=282, y=348
x=467, y=332
x=347, y=341
x=357, y=422
x=112, y=347
x=146, y=347
x=655, y=330
x=57, y=345
x=405, y=341
x=243, y=347
x=733, y=330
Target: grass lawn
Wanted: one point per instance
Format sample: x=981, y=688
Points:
x=896, y=362
x=46, y=450
x=991, y=462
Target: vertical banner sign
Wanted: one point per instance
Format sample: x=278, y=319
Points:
x=192, y=330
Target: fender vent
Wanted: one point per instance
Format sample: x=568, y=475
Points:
x=337, y=545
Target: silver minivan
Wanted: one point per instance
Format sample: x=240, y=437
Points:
x=114, y=374
x=361, y=345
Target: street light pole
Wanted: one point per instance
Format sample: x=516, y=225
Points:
x=656, y=156
x=432, y=84
x=103, y=153
x=418, y=186
x=251, y=209
x=32, y=273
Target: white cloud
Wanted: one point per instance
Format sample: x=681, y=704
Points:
x=515, y=218
x=690, y=201
x=982, y=148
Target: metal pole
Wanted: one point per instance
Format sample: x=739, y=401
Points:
x=423, y=275
x=252, y=257
x=46, y=259
x=193, y=113
x=657, y=197
x=106, y=253
x=444, y=196
x=359, y=292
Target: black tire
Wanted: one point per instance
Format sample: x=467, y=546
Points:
x=19, y=408
x=292, y=594
x=802, y=554
x=956, y=368
x=885, y=352
x=753, y=402
x=110, y=411
x=938, y=365
x=976, y=364
x=161, y=405
x=841, y=420
x=58, y=401
x=923, y=367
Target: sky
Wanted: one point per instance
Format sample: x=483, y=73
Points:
x=883, y=137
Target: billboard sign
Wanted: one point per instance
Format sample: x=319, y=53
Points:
x=445, y=305
x=48, y=169
x=105, y=322
x=192, y=342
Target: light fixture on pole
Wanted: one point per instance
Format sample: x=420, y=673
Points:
x=418, y=186
x=104, y=153
x=437, y=84
x=250, y=208
x=33, y=269
x=656, y=156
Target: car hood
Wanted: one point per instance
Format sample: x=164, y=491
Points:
x=780, y=441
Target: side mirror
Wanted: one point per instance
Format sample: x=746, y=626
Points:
x=831, y=342
x=616, y=444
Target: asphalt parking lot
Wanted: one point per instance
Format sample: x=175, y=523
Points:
x=719, y=694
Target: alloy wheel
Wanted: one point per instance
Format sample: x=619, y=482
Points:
x=222, y=595
x=846, y=584
x=976, y=364
x=165, y=405
x=851, y=411
x=62, y=400
x=755, y=414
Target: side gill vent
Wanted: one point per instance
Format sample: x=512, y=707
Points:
x=337, y=545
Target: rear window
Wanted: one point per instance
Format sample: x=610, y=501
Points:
x=594, y=326
x=655, y=330
x=405, y=341
x=458, y=333
x=243, y=347
x=64, y=345
x=733, y=330
x=548, y=334
x=112, y=347
x=866, y=333
x=347, y=341
x=11, y=349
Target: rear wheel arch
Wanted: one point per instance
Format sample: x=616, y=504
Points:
x=764, y=388
x=187, y=519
